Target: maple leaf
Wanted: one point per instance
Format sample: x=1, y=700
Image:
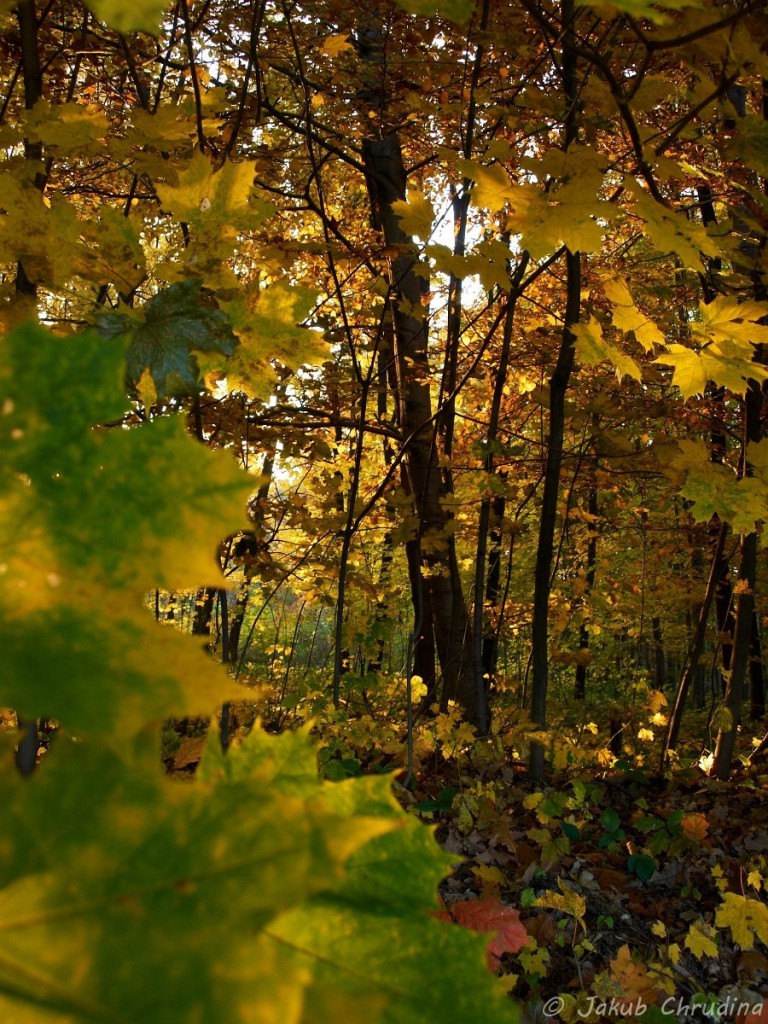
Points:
x=165, y=336
x=493, y=187
x=70, y=128
x=138, y=16
x=694, y=369
x=334, y=45
x=747, y=919
x=593, y=348
x=627, y=317
x=568, y=901
x=267, y=322
x=207, y=195
x=458, y=11
x=78, y=645
x=695, y=826
x=699, y=941
x=670, y=231
x=416, y=216
x=636, y=983
x=640, y=8
x=490, y=915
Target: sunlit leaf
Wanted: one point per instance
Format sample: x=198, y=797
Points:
x=592, y=348
x=268, y=324
x=416, y=216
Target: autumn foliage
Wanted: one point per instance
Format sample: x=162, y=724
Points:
x=382, y=409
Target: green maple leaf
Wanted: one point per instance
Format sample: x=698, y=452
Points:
x=140, y=16
x=714, y=489
x=750, y=143
x=458, y=11
x=91, y=519
x=144, y=901
x=72, y=129
x=640, y=8
x=166, y=335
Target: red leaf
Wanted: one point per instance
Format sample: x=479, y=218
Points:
x=490, y=916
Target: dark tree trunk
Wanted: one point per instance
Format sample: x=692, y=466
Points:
x=442, y=588
x=659, y=655
x=756, y=673
x=558, y=387
x=580, y=686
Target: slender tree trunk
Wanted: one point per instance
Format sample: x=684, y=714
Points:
x=756, y=673
x=442, y=586
x=744, y=601
x=490, y=651
x=580, y=686
x=694, y=652
x=479, y=627
x=558, y=387
x=659, y=655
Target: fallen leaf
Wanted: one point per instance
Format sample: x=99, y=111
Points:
x=490, y=915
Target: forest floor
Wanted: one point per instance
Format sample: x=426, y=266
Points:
x=615, y=893
x=620, y=882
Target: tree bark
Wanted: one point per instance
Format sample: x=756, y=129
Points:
x=442, y=583
x=558, y=387
x=694, y=652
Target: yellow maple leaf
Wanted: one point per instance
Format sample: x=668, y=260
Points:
x=699, y=941
x=670, y=231
x=334, y=45
x=493, y=187
x=627, y=317
x=747, y=919
x=416, y=215
x=568, y=901
x=592, y=348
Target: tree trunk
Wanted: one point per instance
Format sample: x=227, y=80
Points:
x=580, y=686
x=558, y=387
x=694, y=651
x=756, y=673
x=659, y=655
x=442, y=585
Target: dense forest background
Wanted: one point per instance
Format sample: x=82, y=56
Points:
x=383, y=389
